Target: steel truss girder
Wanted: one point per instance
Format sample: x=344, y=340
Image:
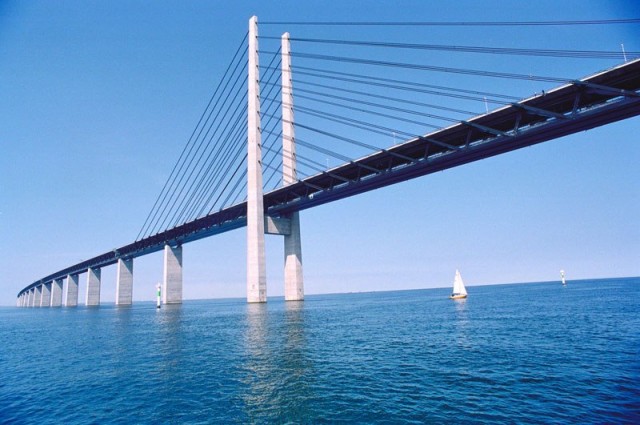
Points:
x=551, y=129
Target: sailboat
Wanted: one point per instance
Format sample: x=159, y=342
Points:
x=459, y=291
x=564, y=282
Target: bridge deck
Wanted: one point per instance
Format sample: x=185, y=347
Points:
x=600, y=99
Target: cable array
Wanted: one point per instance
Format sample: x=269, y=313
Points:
x=559, y=53
x=353, y=97
x=458, y=23
x=211, y=161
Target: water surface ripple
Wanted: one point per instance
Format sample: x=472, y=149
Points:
x=529, y=353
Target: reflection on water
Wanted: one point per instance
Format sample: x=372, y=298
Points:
x=294, y=329
x=258, y=370
x=122, y=330
x=296, y=364
x=396, y=357
x=169, y=345
x=461, y=323
x=276, y=365
x=169, y=315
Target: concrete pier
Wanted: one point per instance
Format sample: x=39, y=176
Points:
x=124, y=282
x=32, y=297
x=93, y=287
x=37, y=296
x=45, y=298
x=172, y=278
x=71, y=291
x=293, y=282
x=256, y=267
x=56, y=293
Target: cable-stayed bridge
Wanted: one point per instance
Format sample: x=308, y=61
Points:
x=222, y=180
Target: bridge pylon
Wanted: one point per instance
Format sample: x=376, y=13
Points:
x=257, y=222
x=293, y=282
x=256, y=267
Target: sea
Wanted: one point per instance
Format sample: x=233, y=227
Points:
x=515, y=353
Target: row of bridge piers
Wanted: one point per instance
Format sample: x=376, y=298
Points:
x=64, y=291
x=55, y=293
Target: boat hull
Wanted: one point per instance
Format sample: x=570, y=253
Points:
x=458, y=296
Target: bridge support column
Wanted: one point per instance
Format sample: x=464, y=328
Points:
x=45, y=299
x=30, y=296
x=256, y=267
x=124, y=282
x=37, y=296
x=293, y=282
x=71, y=291
x=93, y=287
x=56, y=293
x=172, y=279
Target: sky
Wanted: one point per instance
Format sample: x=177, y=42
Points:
x=99, y=98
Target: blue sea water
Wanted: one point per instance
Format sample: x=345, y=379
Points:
x=527, y=353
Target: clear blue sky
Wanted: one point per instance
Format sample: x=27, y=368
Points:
x=97, y=100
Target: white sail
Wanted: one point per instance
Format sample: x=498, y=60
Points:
x=458, y=285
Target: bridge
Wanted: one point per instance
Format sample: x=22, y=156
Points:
x=573, y=106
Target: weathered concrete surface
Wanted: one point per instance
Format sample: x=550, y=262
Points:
x=277, y=226
x=37, y=296
x=124, y=282
x=293, y=282
x=172, y=279
x=93, y=287
x=71, y=291
x=45, y=298
x=56, y=293
x=256, y=267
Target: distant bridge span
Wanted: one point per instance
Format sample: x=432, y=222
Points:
x=594, y=101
